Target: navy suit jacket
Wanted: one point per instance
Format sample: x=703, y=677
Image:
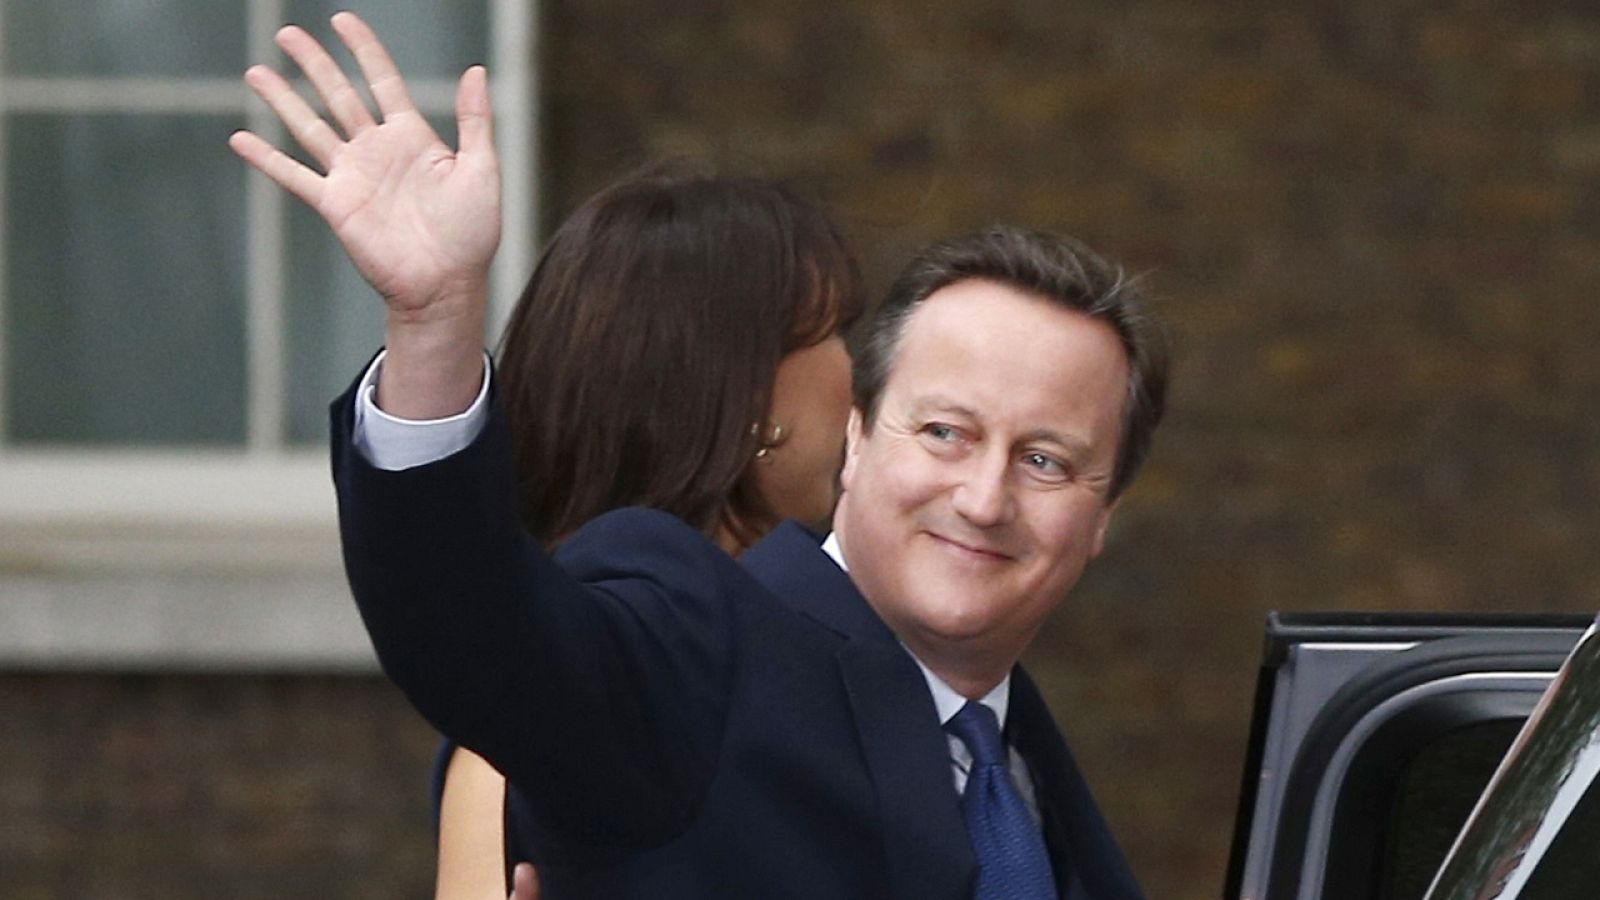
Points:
x=676, y=723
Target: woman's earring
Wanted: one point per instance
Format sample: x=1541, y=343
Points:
x=770, y=441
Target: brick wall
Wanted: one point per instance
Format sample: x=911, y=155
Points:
x=1374, y=229
x=129, y=787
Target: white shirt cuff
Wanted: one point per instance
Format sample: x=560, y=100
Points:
x=393, y=444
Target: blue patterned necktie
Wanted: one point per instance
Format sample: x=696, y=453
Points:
x=1012, y=861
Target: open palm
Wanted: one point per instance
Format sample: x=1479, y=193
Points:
x=420, y=221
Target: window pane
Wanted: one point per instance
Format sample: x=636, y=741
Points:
x=125, y=281
x=334, y=324
x=102, y=38
x=427, y=40
x=1436, y=791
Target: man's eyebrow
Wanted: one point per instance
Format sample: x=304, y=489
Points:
x=1074, y=446
x=936, y=403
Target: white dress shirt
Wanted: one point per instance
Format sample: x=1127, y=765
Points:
x=392, y=443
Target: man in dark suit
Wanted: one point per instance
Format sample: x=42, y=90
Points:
x=679, y=724
x=837, y=720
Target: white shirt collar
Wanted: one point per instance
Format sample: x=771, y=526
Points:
x=945, y=698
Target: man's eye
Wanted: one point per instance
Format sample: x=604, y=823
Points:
x=1045, y=465
x=939, y=431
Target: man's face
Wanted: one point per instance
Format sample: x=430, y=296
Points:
x=974, y=500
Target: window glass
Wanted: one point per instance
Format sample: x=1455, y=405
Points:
x=427, y=40
x=126, y=235
x=1570, y=867
x=125, y=281
x=1435, y=793
x=106, y=38
x=334, y=324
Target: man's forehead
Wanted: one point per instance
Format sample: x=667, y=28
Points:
x=991, y=322
x=984, y=349
x=992, y=310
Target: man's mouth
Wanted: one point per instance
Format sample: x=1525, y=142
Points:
x=977, y=551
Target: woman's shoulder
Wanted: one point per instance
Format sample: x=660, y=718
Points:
x=636, y=542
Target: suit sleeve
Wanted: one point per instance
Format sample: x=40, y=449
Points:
x=598, y=686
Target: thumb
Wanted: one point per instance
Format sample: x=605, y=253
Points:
x=524, y=883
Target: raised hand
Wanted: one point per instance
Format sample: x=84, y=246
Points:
x=421, y=222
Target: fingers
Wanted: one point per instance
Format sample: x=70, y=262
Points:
x=277, y=165
x=474, y=118
x=383, y=78
x=524, y=883
x=338, y=94
x=316, y=136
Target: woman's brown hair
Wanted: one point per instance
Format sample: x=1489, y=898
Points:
x=638, y=365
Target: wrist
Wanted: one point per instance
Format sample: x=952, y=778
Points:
x=454, y=304
x=433, y=367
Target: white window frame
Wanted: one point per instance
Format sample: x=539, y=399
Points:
x=52, y=499
x=205, y=559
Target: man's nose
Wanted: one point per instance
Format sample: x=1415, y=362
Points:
x=983, y=495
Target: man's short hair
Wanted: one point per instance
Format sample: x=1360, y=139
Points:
x=1056, y=268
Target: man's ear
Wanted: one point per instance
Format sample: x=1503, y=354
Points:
x=852, y=447
x=1102, y=526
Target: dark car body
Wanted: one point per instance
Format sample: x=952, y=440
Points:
x=1374, y=738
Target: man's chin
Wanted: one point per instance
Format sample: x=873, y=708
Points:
x=955, y=626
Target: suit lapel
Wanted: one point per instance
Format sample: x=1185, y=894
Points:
x=791, y=564
x=925, y=835
x=1079, y=842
